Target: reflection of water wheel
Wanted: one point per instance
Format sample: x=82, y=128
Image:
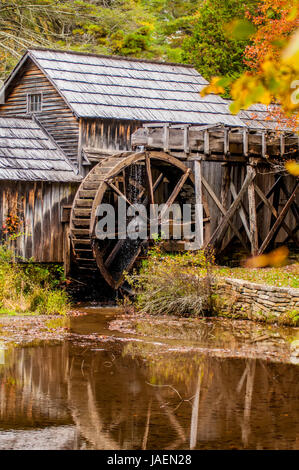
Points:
x=144, y=178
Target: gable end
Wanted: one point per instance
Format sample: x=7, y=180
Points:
x=55, y=115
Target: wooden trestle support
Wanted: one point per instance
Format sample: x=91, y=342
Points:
x=243, y=156
x=171, y=159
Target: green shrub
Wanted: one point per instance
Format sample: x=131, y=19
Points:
x=27, y=287
x=173, y=284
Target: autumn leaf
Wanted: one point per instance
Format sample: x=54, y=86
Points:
x=275, y=258
x=292, y=167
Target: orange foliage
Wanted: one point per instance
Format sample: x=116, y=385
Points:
x=275, y=258
x=275, y=21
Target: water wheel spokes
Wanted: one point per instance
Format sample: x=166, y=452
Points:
x=145, y=178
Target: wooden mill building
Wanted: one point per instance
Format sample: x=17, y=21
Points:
x=65, y=114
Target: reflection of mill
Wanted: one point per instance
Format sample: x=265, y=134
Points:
x=217, y=403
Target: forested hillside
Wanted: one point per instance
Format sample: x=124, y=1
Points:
x=175, y=30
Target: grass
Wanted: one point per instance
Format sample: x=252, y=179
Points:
x=285, y=276
x=181, y=284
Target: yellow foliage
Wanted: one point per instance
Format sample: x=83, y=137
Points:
x=213, y=87
x=274, y=258
x=292, y=167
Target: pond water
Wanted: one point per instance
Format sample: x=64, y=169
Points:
x=110, y=388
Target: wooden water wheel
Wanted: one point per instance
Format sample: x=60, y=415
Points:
x=143, y=177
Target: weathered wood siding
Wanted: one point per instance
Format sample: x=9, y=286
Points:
x=110, y=134
x=38, y=205
x=56, y=117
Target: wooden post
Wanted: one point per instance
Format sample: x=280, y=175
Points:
x=79, y=155
x=251, y=172
x=198, y=204
x=224, y=193
x=225, y=185
x=66, y=249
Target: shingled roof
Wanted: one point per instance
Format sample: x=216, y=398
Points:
x=112, y=87
x=28, y=153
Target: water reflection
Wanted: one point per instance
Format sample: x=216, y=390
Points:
x=123, y=396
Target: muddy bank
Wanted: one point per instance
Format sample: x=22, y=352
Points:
x=21, y=330
x=93, y=327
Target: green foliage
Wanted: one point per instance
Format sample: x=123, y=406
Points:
x=132, y=44
x=173, y=30
x=290, y=318
x=173, y=284
x=212, y=47
x=27, y=287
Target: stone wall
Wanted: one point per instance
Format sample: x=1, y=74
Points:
x=244, y=299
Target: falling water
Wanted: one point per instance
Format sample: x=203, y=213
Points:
x=130, y=247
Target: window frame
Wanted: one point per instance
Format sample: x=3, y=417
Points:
x=29, y=95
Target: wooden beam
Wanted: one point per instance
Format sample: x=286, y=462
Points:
x=175, y=192
x=275, y=213
x=270, y=192
x=198, y=204
x=226, y=133
x=224, y=212
x=278, y=221
x=241, y=211
x=118, y=191
x=149, y=178
x=245, y=142
x=114, y=252
x=218, y=231
x=225, y=183
x=251, y=172
x=282, y=144
x=264, y=144
x=186, y=139
x=294, y=207
x=206, y=148
x=166, y=138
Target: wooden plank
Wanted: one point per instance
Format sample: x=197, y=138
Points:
x=149, y=178
x=270, y=192
x=245, y=142
x=224, y=212
x=275, y=213
x=294, y=207
x=175, y=192
x=241, y=211
x=166, y=138
x=65, y=213
x=278, y=221
x=206, y=149
x=218, y=231
x=225, y=184
x=213, y=140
